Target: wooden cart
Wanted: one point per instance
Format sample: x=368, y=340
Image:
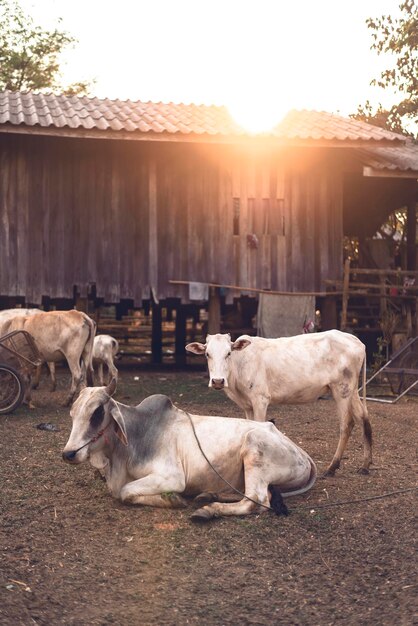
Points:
x=19, y=357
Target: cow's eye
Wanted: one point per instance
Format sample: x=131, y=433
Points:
x=207, y=355
x=228, y=355
x=97, y=417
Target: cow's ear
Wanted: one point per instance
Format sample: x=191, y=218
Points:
x=240, y=344
x=196, y=347
x=120, y=423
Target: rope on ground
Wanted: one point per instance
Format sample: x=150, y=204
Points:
x=356, y=501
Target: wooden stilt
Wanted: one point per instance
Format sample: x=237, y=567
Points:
x=214, y=321
x=180, y=338
x=157, y=334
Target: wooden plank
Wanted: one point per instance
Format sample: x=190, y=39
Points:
x=345, y=294
x=153, y=223
x=214, y=311
x=265, y=262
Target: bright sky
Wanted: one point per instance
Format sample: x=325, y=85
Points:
x=260, y=58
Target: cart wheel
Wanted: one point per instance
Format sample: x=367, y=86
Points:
x=11, y=389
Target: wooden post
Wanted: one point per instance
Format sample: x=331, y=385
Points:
x=180, y=340
x=411, y=235
x=346, y=282
x=329, y=313
x=157, y=334
x=81, y=304
x=214, y=313
x=383, y=301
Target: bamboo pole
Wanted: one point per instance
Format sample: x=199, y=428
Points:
x=253, y=289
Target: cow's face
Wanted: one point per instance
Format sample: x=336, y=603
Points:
x=92, y=413
x=218, y=350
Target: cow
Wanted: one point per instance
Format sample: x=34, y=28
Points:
x=105, y=349
x=156, y=454
x=8, y=314
x=254, y=371
x=62, y=335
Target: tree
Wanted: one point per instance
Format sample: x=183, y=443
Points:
x=399, y=38
x=30, y=55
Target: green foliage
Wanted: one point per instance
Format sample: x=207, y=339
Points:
x=30, y=55
x=399, y=38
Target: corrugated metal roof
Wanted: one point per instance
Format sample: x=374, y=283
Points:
x=51, y=111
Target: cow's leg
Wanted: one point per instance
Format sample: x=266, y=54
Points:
x=361, y=416
x=165, y=501
x=100, y=374
x=346, y=426
x=350, y=408
x=256, y=409
x=77, y=377
x=259, y=408
x=155, y=490
x=51, y=367
x=256, y=487
x=221, y=496
x=37, y=377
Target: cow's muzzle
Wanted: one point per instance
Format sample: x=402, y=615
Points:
x=218, y=383
x=69, y=456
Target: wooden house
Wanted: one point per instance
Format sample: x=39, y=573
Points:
x=130, y=202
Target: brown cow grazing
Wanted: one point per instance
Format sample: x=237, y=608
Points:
x=62, y=335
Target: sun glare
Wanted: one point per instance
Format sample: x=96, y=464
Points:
x=257, y=117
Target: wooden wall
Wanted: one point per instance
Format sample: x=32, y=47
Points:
x=127, y=216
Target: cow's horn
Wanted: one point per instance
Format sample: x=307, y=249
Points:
x=111, y=388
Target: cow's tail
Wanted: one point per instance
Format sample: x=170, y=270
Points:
x=307, y=486
x=87, y=354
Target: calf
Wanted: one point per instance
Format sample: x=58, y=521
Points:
x=105, y=349
x=154, y=454
x=254, y=371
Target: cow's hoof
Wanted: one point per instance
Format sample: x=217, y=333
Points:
x=205, y=496
x=99, y=475
x=363, y=470
x=328, y=473
x=174, y=500
x=201, y=515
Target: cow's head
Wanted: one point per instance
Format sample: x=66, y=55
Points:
x=95, y=418
x=218, y=349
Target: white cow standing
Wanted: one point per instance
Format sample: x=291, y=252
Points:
x=254, y=371
x=105, y=348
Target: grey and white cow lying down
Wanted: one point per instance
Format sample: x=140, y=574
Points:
x=149, y=455
x=255, y=372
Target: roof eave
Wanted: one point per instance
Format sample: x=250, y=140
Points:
x=389, y=173
x=82, y=133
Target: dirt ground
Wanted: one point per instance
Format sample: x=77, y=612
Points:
x=73, y=555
